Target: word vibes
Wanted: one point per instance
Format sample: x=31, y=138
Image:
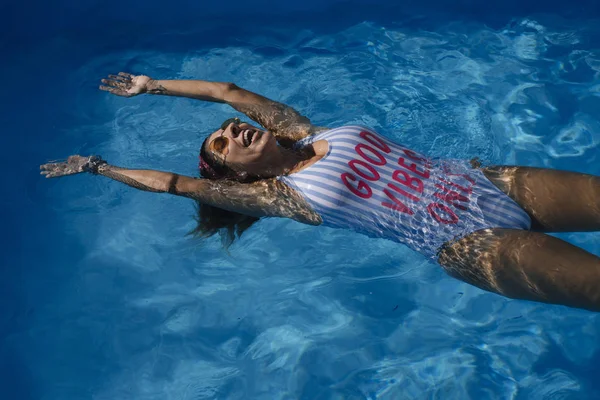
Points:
x=407, y=181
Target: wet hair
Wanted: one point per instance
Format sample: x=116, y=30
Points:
x=211, y=220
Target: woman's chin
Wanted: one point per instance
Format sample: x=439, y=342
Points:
x=270, y=136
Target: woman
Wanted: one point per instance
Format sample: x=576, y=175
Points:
x=484, y=226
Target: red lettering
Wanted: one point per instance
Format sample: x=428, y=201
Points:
x=413, y=167
x=360, y=149
x=420, y=160
x=375, y=141
x=362, y=190
x=451, y=197
x=414, y=156
x=398, y=205
x=402, y=192
x=434, y=207
x=459, y=187
x=414, y=183
x=374, y=174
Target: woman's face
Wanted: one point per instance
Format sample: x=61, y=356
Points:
x=243, y=147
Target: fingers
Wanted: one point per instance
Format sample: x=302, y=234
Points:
x=50, y=166
x=118, y=84
x=48, y=174
x=52, y=170
x=123, y=84
x=116, y=91
x=115, y=83
x=107, y=88
x=59, y=171
x=74, y=164
x=118, y=81
x=54, y=174
x=120, y=78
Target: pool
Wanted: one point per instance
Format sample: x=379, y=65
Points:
x=106, y=297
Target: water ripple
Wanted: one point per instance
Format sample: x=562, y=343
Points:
x=293, y=311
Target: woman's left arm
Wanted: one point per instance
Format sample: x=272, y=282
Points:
x=283, y=121
x=267, y=198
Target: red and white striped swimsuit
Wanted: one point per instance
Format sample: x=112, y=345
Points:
x=371, y=185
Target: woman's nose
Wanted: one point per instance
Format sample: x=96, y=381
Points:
x=232, y=130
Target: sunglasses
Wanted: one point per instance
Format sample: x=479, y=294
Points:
x=220, y=143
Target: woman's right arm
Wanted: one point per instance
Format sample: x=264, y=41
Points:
x=266, y=198
x=282, y=120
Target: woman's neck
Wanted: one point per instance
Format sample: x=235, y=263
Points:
x=292, y=160
x=287, y=161
x=298, y=160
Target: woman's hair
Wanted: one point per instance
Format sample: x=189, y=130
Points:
x=228, y=224
x=210, y=219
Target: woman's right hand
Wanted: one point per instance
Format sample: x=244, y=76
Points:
x=125, y=84
x=74, y=165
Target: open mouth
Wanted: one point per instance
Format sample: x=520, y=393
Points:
x=247, y=136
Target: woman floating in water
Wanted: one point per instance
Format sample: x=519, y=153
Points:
x=484, y=226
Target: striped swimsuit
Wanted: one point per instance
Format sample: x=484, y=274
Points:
x=371, y=185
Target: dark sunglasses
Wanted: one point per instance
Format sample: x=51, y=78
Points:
x=220, y=143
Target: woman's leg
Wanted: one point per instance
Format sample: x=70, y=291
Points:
x=557, y=201
x=525, y=265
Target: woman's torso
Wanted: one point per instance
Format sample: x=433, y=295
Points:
x=374, y=186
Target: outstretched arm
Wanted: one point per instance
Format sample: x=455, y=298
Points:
x=267, y=198
x=283, y=121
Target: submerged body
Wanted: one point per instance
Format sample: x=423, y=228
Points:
x=374, y=186
x=483, y=225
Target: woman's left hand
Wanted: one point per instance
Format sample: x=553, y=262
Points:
x=74, y=165
x=126, y=85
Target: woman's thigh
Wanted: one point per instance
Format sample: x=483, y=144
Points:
x=525, y=265
x=557, y=201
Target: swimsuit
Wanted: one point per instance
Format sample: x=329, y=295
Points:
x=370, y=185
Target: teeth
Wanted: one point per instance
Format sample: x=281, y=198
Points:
x=246, y=137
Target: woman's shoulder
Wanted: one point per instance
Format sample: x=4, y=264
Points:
x=321, y=132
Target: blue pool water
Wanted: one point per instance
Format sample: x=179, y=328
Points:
x=105, y=297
